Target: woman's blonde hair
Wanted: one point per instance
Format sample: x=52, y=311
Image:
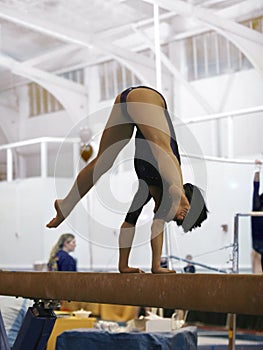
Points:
x=52, y=262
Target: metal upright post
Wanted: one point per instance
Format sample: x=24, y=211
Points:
x=235, y=269
x=157, y=46
x=44, y=166
x=9, y=164
x=76, y=156
x=167, y=245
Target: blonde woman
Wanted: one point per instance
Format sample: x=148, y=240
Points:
x=60, y=259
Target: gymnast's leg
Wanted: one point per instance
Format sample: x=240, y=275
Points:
x=256, y=262
x=127, y=231
x=148, y=113
x=116, y=135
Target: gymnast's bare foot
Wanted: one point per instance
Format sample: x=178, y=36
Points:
x=180, y=204
x=56, y=221
x=162, y=270
x=130, y=270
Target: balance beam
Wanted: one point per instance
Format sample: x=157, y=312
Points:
x=233, y=293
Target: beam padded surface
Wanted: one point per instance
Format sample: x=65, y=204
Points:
x=233, y=293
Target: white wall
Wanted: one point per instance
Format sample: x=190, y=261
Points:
x=28, y=205
x=9, y=123
x=224, y=93
x=228, y=191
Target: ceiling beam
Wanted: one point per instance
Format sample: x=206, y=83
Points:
x=9, y=83
x=144, y=68
x=51, y=55
x=249, y=41
x=208, y=17
x=178, y=76
x=71, y=95
x=34, y=73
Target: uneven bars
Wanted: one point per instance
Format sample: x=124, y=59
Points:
x=198, y=264
x=235, y=267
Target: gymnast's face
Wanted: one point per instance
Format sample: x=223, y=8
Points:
x=181, y=215
x=181, y=212
x=179, y=218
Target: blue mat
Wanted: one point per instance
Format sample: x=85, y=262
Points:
x=92, y=339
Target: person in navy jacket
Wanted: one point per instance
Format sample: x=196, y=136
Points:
x=257, y=223
x=60, y=258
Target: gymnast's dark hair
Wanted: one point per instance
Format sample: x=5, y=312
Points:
x=198, y=210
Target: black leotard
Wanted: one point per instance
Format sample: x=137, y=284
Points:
x=144, y=162
x=146, y=166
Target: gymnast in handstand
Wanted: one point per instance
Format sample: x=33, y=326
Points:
x=144, y=109
x=151, y=185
